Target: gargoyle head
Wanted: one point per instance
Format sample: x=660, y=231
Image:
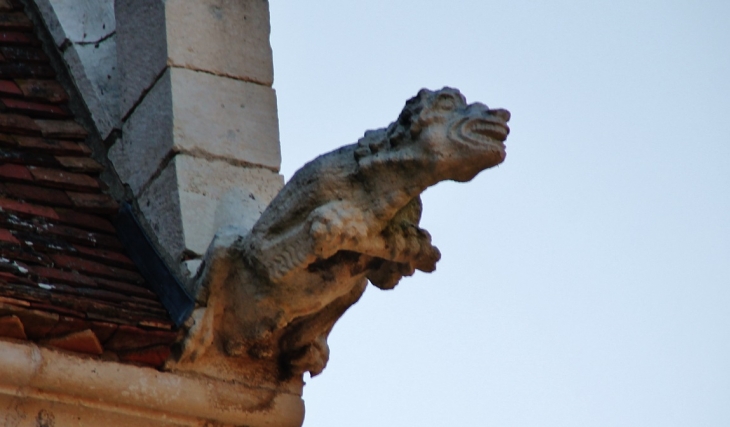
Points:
x=462, y=138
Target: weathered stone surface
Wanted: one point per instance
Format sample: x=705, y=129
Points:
x=346, y=218
x=94, y=68
x=195, y=79
x=214, y=194
x=205, y=195
x=199, y=114
x=223, y=37
x=50, y=17
x=78, y=20
x=191, y=267
x=141, y=47
x=226, y=118
x=85, y=30
x=44, y=387
x=147, y=137
x=160, y=205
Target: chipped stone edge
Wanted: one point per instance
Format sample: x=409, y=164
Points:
x=27, y=370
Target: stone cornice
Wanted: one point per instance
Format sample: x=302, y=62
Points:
x=29, y=371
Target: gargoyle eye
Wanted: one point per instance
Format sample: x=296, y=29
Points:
x=446, y=102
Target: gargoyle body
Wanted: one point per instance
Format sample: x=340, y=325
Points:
x=347, y=217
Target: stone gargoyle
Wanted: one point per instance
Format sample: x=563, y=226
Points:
x=270, y=297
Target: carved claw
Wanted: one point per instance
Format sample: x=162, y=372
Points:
x=336, y=226
x=427, y=258
x=314, y=357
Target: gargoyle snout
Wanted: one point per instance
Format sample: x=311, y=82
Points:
x=501, y=113
x=490, y=123
x=480, y=109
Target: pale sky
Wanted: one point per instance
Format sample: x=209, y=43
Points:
x=586, y=281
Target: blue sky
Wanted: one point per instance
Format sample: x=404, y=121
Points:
x=584, y=282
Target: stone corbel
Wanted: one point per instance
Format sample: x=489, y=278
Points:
x=270, y=296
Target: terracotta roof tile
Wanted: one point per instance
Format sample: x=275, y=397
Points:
x=45, y=274
x=103, y=330
x=28, y=159
x=68, y=324
x=112, y=257
x=7, y=140
x=62, y=129
x=27, y=209
x=98, y=203
x=15, y=172
x=18, y=124
x=96, y=269
x=27, y=70
x=6, y=236
x=80, y=164
x=9, y=5
x=9, y=88
x=32, y=193
x=14, y=302
x=23, y=53
x=12, y=327
x=58, y=310
x=35, y=109
x=47, y=90
x=37, y=323
x=114, y=285
x=154, y=356
x=17, y=38
x=15, y=21
x=61, y=179
x=82, y=342
x=77, y=235
x=82, y=220
x=21, y=253
x=52, y=146
x=65, y=278
x=131, y=337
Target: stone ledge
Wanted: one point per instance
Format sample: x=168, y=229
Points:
x=28, y=372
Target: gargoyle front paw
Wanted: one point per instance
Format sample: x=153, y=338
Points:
x=427, y=258
x=334, y=227
x=417, y=248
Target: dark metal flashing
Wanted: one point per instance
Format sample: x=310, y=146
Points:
x=168, y=288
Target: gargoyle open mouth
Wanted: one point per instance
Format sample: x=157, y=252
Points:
x=483, y=130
